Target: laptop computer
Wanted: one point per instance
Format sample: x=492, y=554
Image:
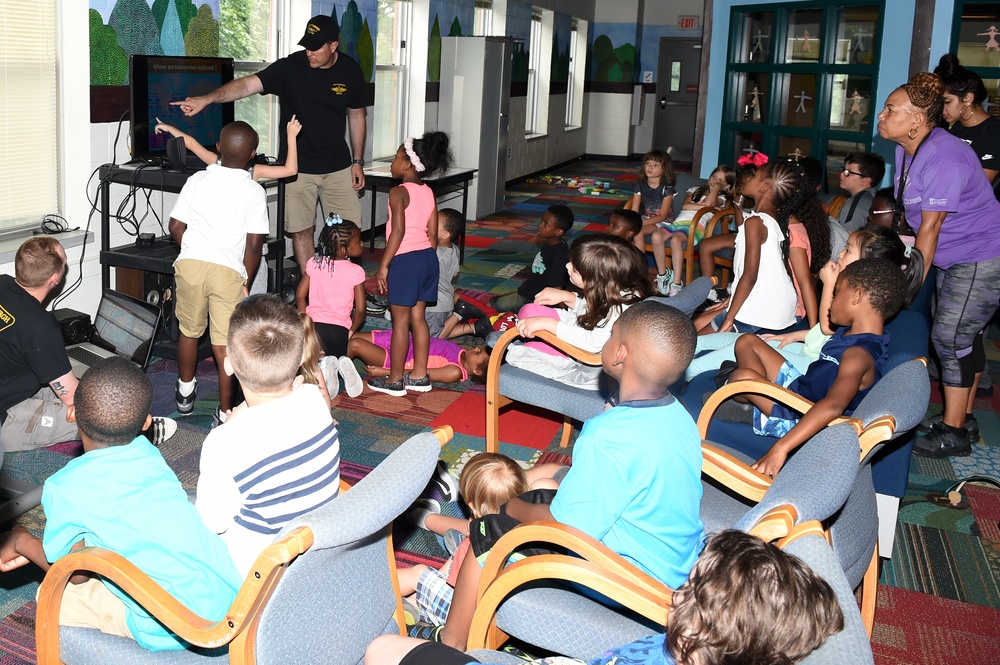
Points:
x=124, y=326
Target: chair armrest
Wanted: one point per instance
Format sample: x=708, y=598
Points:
x=717, y=219
x=836, y=204
x=767, y=389
x=244, y=611
x=733, y=473
x=596, y=566
x=775, y=523
x=878, y=431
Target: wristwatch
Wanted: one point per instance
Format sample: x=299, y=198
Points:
x=359, y=162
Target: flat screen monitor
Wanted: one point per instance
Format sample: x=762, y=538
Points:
x=157, y=80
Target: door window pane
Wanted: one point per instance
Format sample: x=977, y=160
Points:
x=850, y=101
x=758, y=28
x=856, y=36
x=836, y=151
x=802, y=43
x=799, y=104
x=747, y=143
x=752, y=90
x=794, y=147
x=979, y=35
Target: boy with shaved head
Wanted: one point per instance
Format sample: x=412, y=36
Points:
x=635, y=483
x=220, y=222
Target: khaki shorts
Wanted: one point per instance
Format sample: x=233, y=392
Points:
x=38, y=421
x=92, y=605
x=334, y=191
x=206, y=293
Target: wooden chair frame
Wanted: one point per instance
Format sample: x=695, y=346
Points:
x=239, y=627
x=835, y=205
x=717, y=214
x=721, y=217
x=594, y=566
x=495, y=401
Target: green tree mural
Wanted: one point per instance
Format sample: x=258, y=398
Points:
x=203, y=34
x=108, y=60
x=135, y=26
x=434, y=53
x=366, y=51
x=186, y=11
x=171, y=34
x=456, y=28
x=519, y=68
x=614, y=65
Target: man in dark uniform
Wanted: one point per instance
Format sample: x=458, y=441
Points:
x=325, y=90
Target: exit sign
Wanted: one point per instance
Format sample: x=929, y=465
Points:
x=687, y=22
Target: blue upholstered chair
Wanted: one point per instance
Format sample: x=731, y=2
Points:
x=320, y=594
x=522, y=599
x=506, y=384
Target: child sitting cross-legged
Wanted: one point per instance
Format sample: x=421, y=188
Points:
x=635, y=482
x=488, y=481
x=120, y=495
x=734, y=608
x=867, y=292
x=279, y=457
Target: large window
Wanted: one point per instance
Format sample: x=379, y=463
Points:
x=800, y=82
x=534, y=73
x=28, y=107
x=247, y=34
x=574, y=91
x=482, y=25
x=390, y=77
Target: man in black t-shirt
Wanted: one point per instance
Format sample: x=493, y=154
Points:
x=37, y=383
x=325, y=90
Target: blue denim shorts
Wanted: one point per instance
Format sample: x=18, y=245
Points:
x=413, y=278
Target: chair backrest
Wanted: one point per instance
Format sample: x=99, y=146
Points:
x=338, y=596
x=850, y=645
x=685, y=181
x=903, y=393
x=817, y=480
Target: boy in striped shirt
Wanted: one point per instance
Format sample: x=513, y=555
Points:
x=278, y=456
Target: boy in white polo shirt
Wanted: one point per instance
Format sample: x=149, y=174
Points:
x=220, y=222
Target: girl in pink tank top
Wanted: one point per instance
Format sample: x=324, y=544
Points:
x=408, y=272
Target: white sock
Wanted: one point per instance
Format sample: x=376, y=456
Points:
x=185, y=388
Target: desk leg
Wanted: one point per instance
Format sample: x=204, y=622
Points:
x=105, y=230
x=371, y=227
x=465, y=208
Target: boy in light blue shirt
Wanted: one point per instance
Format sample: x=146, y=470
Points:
x=121, y=495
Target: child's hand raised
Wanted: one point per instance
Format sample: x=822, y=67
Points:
x=294, y=127
x=828, y=274
x=162, y=127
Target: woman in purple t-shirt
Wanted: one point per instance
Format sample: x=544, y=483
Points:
x=949, y=203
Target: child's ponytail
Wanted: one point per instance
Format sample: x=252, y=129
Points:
x=431, y=151
x=791, y=188
x=336, y=233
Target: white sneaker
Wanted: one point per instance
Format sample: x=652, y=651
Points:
x=353, y=384
x=713, y=296
x=674, y=289
x=663, y=281
x=160, y=430
x=329, y=366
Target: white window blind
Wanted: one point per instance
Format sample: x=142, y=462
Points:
x=28, y=108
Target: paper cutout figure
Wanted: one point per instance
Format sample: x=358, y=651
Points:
x=992, y=44
x=802, y=97
x=855, y=103
x=798, y=154
x=806, y=46
x=758, y=42
x=751, y=150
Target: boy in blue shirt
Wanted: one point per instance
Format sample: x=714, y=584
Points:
x=867, y=292
x=121, y=495
x=635, y=483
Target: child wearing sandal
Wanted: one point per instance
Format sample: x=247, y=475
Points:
x=409, y=269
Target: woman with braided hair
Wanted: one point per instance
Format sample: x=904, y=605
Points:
x=945, y=197
x=763, y=298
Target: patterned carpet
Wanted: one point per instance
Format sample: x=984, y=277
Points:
x=939, y=597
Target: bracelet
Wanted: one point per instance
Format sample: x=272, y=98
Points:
x=359, y=162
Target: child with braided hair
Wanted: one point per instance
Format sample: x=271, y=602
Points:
x=763, y=297
x=332, y=286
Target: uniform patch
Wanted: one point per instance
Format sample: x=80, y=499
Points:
x=339, y=88
x=6, y=319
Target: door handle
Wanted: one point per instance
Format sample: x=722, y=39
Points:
x=663, y=102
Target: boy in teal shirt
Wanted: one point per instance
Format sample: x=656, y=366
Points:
x=121, y=495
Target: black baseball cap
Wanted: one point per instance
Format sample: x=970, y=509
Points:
x=319, y=31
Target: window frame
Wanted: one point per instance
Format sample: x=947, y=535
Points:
x=482, y=24
x=404, y=34
x=534, y=73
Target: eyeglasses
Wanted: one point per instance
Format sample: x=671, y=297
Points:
x=882, y=212
x=848, y=171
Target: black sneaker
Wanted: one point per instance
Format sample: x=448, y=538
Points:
x=422, y=385
x=160, y=430
x=376, y=305
x=941, y=441
x=185, y=405
x=927, y=424
x=445, y=482
x=425, y=631
x=381, y=384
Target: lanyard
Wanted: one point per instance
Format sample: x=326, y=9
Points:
x=899, y=218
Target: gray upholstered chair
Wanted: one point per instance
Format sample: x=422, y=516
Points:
x=301, y=603
x=506, y=384
x=522, y=600
x=848, y=646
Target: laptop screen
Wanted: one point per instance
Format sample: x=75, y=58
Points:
x=126, y=326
